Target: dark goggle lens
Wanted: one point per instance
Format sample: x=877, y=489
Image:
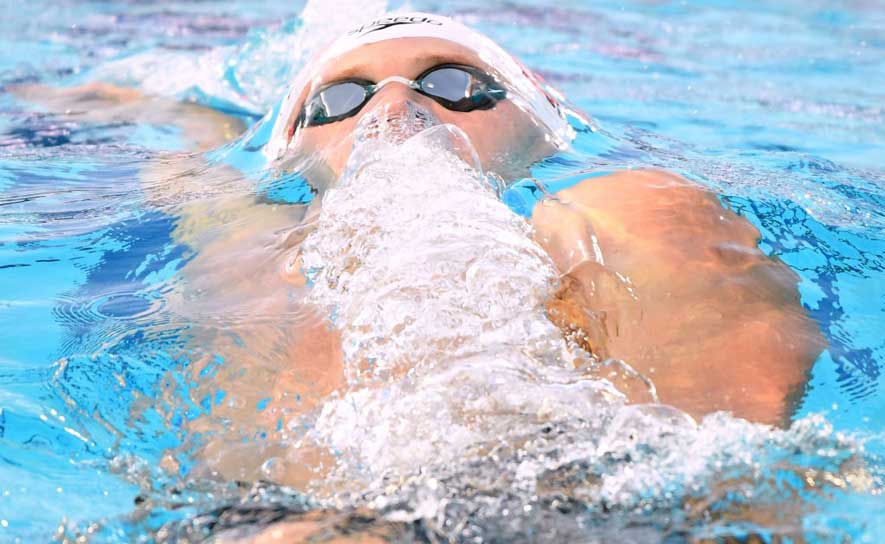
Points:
x=454, y=87
x=452, y=84
x=461, y=89
x=335, y=102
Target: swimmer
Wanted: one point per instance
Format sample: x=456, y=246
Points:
x=653, y=270
x=718, y=325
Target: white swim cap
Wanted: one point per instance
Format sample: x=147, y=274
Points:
x=524, y=88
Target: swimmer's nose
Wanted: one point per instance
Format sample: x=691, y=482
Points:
x=395, y=114
x=395, y=99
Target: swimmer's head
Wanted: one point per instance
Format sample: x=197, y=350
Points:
x=431, y=70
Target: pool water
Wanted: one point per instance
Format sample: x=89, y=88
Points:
x=778, y=109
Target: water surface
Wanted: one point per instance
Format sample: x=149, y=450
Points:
x=778, y=109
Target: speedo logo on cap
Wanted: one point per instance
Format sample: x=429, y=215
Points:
x=388, y=22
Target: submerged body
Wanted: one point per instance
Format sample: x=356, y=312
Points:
x=642, y=266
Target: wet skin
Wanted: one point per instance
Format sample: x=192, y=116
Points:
x=715, y=323
x=506, y=139
x=683, y=293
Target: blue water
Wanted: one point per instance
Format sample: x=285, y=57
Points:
x=779, y=109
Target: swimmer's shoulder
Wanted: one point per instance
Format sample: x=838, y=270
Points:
x=634, y=214
x=638, y=200
x=630, y=184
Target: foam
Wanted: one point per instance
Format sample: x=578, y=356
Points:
x=439, y=292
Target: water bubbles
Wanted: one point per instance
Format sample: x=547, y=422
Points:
x=463, y=418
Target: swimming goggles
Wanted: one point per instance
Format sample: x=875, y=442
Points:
x=456, y=87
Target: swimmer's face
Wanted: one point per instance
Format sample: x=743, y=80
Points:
x=506, y=138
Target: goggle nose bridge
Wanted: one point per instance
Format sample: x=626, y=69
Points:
x=410, y=83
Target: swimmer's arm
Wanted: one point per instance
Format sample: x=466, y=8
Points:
x=202, y=128
x=214, y=205
x=236, y=270
x=217, y=213
x=684, y=295
x=172, y=183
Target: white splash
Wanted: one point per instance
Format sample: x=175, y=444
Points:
x=439, y=293
x=455, y=372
